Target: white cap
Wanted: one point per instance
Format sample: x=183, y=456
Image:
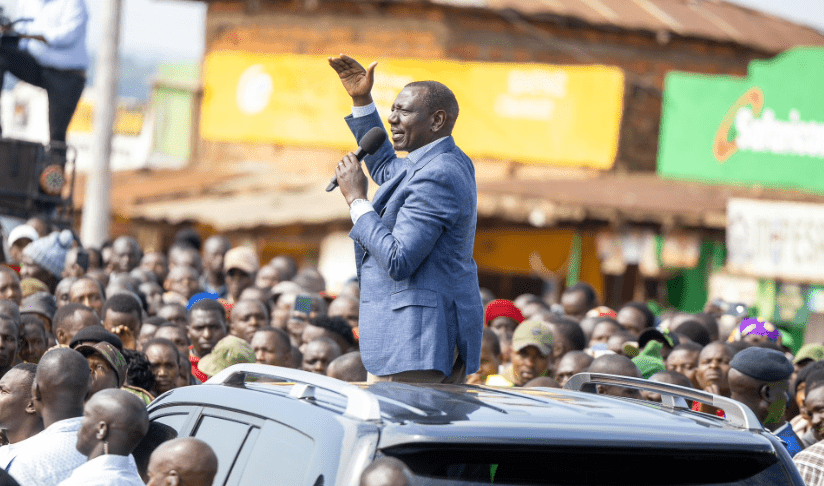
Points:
x=22, y=231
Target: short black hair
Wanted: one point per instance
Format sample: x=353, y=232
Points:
x=209, y=305
x=649, y=317
x=96, y=282
x=30, y=369
x=570, y=328
x=66, y=312
x=588, y=291
x=124, y=303
x=163, y=342
x=188, y=237
x=281, y=335
x=338, y=325
x=156, y=321
x=438, y=97
x=815, y=368
x=688, y=346
x=138, y=370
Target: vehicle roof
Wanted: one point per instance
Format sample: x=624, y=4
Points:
x=479, y=414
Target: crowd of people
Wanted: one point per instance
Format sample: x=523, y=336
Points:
x=89, y=337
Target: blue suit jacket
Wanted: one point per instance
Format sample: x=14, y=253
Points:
x=419, y=282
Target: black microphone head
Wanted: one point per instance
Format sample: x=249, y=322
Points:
x=374, y=138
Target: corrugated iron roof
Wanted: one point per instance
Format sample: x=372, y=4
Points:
x=706, y=19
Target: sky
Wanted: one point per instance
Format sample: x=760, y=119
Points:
x=174, y=29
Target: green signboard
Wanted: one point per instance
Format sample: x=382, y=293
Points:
x=765, y=129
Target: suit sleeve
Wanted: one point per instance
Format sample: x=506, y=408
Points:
x=383, y=164
x=432, y=207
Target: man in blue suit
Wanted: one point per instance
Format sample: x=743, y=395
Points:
x=421, y=317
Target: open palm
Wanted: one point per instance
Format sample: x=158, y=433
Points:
x=356, y=80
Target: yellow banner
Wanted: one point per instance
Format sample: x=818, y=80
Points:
x=537, y=113
x=128, y=121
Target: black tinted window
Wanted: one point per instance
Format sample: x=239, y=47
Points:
x=226, y=438
x=174, y=420
x=281, y=456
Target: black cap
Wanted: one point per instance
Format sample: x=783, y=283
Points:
x=695, y=331
x=652, y=334
x=762, y=364
x=96, y=334
x=42, y=303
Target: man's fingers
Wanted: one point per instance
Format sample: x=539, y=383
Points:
x=370, y=71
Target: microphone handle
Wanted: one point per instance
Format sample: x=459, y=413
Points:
x=360, y=153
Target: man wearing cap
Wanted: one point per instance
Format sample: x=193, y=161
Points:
x=45, y=258
x=502, y=317
x=241, y=265
x=758, y=378
x=229, y=351
x=107, y=366
x=531, y=353
x=19, y=238
x=42, y=305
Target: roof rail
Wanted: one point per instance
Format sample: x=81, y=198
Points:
x=360, y=404
x=673, y=396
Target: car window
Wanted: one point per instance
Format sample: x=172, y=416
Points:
x=173, y=420
x=281, y=454
x=226, y=437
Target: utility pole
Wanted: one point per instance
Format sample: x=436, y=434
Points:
x=97, y=202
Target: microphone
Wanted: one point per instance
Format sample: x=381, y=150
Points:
x=369, y=144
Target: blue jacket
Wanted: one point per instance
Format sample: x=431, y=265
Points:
x=419, y=282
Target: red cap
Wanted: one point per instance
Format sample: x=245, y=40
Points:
x=503, y=308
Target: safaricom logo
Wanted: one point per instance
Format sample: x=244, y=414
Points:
x=757, y=129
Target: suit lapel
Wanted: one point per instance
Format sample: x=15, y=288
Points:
x=388, y=188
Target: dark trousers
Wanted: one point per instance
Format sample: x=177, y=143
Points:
x=63, y=86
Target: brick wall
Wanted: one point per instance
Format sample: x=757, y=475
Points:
x=432, y=32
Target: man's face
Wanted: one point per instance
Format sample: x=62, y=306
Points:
x=267, y=277
x=213, y=253
x=125, y=256
x=15, y=397
x=183, y=281
x=602, y=332
x=156, y=263
x=295, y=327
x=103, y=375
x=61, y=293
x=9, y=336
x=283, y=309
x=175, y=314
x=147, y=332
x=685, y=362
x=175, y=335
x=10, y=287
x=33, y=270
x=33, y=344
x=568, y=367
x=347, y=308
x=154, y=296
x=529, y=363
x=16, y=250
x=74, y=323
x=317, y=357
x=632, y=319
x=813, y=411
x=410, y=121
x=713, y=369
x=269, y=350
x=247, y=317
x=236, y=281
x=503, y=325
x=489, y=362
x=205, y=330
x=88, y=293
x=164, y=365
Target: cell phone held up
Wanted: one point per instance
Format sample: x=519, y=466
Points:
x=303, y=303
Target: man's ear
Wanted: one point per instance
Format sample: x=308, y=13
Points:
x=102, y=430
x=766, y=392
x=172, y=479
x=59, y=335
x=30, y=407
x=438, y=120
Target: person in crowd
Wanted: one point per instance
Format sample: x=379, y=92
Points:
x=814, y=414
x=427, y=246
x=346, y=307
x=126, y=254
x=181, y=284
x=387, y=471
x=213, y=279
x=649, y=360
x=635, y=317
x=241, y=265
x=810, y=464
x=19, y=238
x=152, y=294
x=89, y=292
x=671, y=377
x=164, y=358
x=158, y=434
x=531, y=352
x=41, y=305
x=207, y=326
x=185, y=256
x=567, y=336
x=61, y=384
x=107, y=366
x=33, y=339
x=348, y=367
x=490, y=359
x=812, y=373
x=286, y=266
x=335, y=328
x=114, y=422
x=62, y=295
x=29, y=286
x=310, y=279
x=139, y=377
x=247, y=317
x=694, y=331
x=318, y=354
x=684, y=359
x=571, y=364
x=155, y=262
x=9, y=342
x=713, y=368
x=148, y=330
x=578, y=300
x=186, y=462
x=123, y=316
x=287, y=293
x=759, y=378
x=175, y=313
x=95, y=334
x=272, y=347
x=502, y=317
x=10, y=285
x=267, y=277
x=616, y=364
x=604, y=328
x=806, y=355
x=18, y=416
x=76, y=264
x=180, y=338
x=44, y=258
x=264, y=296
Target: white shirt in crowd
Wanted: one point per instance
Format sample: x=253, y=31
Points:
x=63, y=24
x=49, y=457
x=106, y=470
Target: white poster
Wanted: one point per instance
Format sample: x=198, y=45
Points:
x=776, y=240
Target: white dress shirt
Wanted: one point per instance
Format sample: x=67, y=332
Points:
x=63, y=24
x=9, y=451
x=106, y=470
x=50, y=456
x=360, y=207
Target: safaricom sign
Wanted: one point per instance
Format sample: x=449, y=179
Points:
x=777, y=240
x=759, y=130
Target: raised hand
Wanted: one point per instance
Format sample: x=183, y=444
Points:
x=356, y=80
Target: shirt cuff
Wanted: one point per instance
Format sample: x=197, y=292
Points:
x=358, y=208
x=361, y=111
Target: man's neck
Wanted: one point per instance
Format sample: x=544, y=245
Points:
x=215, y=279
x=20, y=432
x=51, y=417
